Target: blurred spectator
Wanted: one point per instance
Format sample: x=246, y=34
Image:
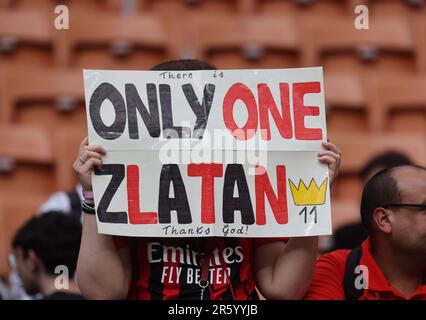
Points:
x=349, y=236
x=3, y=290
x=391, y=263
x=45, y=255
x=16, y=290
x=65, y=202
x=382, y=161
x=352, y=235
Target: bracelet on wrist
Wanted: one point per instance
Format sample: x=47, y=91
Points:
x=88, y=208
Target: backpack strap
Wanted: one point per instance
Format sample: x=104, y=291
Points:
x=352, y=261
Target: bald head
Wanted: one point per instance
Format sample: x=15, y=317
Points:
x=410, y=180
x=403, y=184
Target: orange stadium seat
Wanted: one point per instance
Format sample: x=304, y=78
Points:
x=27, y=96
x=25, y=4
x=388, y=44
x=66, y=142
x=346, y=101
x=127, y=6
x=210, y=6
x=116, y=5
x=392, y=7
x=110, y=40
x=420, y=36
x=255, y=41
x=26, y=162
x=313, y=6
x=398, y=101
x=104, y=5
x=46, y=158
x=358, y=148
x=25, y=38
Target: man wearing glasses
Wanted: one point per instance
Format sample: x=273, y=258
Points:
x=391, y=263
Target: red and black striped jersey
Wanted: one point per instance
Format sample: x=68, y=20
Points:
x=170, y=268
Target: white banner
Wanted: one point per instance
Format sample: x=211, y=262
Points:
x=209, y=153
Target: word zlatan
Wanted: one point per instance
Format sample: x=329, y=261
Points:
x=234, y=179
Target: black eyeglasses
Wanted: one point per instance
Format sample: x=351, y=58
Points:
x=416, y=206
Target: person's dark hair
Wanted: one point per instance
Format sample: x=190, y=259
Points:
x=183, y=65
x=388, y=159
x=54, y=237
x=380, y=190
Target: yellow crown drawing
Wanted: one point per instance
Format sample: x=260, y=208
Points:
x=308, y=196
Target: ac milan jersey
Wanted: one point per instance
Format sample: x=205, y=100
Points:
x=171, y=268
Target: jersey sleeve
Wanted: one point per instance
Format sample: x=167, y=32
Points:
x=327, y=282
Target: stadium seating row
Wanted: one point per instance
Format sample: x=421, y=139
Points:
x=37, y=160
x=231, y=6
x=385, y=101
x=139, y=40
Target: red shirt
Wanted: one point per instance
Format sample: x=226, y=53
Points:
x=327, y=283
x=170, y=268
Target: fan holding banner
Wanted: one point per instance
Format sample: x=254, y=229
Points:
x=194, y=179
